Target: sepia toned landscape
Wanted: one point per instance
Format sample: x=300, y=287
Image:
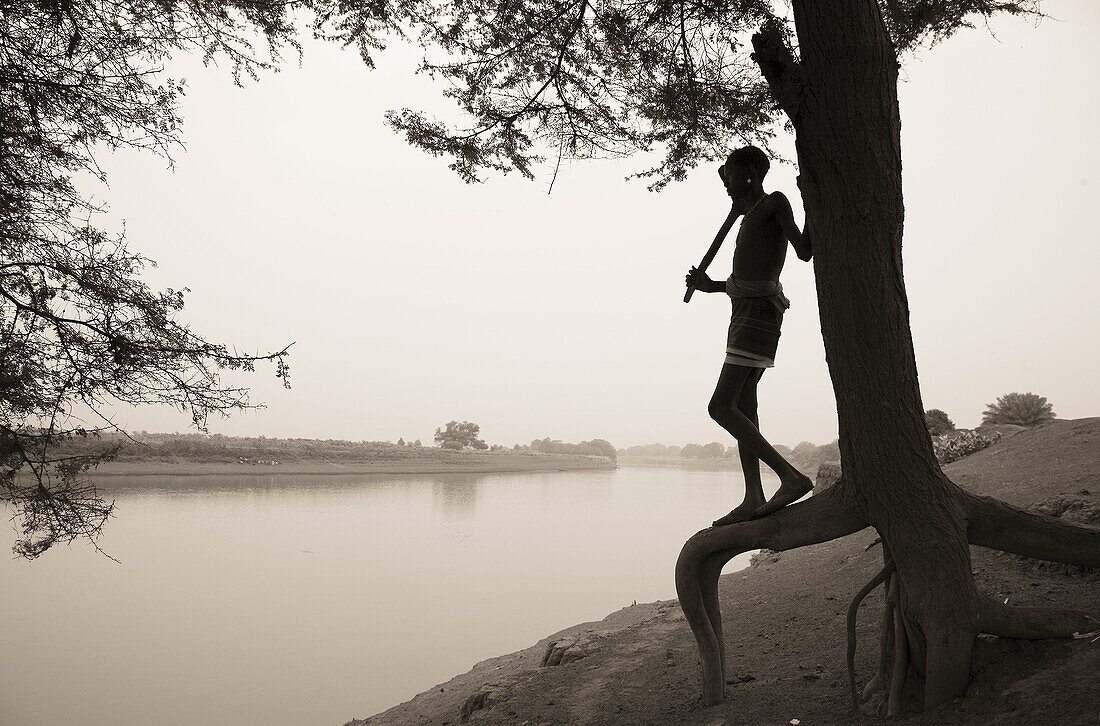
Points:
x=549, y=362
x=786, y=616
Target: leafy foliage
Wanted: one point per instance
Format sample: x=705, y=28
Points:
x=595, y=447
x=956, y=445
x=79, y=330
x=912, y=23
x=577, y=79
x=938, y=422
x=1021, y=409
x=808, y=457
x=457, y=435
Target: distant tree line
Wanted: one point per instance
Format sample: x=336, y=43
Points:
x=142, y=446
x=805, y=456
x=1018, y=409
x=457, y=436
x=218, y=448
x=595, y=447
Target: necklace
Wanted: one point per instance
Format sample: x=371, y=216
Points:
x=762, y=196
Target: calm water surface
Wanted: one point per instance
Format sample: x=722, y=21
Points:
x=295, y=601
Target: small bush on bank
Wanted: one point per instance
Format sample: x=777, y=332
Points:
x=962, y=443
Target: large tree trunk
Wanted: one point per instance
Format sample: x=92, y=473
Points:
x=849, y=153
x=841, y=95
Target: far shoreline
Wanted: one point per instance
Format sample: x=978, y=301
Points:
x=465, y=463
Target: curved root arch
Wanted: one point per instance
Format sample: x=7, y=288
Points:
x=833, y=514
x=823, y=517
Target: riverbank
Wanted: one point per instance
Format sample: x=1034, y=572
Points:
x=445, y=463
x=784, y=622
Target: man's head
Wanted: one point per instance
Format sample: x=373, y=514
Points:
x=744, y=169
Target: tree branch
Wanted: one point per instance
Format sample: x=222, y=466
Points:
x=773, y=55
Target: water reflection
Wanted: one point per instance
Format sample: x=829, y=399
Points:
x=290, y=600
x=456, y=497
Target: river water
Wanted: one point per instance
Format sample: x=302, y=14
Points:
x=297, y=600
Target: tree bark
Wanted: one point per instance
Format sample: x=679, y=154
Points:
x=848, y=136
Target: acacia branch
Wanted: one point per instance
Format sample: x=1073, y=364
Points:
x=551, y=79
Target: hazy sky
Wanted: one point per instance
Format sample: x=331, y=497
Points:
x=295, y=214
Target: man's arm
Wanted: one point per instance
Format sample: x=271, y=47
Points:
x=697, y=278
x=799, y=240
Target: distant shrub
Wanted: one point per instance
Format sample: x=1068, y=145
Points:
x=464, y=434
x=962, y=443
x=595, y=447
x=764, y=557
x=691, y=451
x=605, y=447
x=938, y=422
x=713, y=450
x=1021, y=409
x=828, y=474
x=807, y=457
x=453, y=445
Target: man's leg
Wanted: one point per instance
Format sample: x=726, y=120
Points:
x=724, y=409
x=750, y=464
x=746, y=403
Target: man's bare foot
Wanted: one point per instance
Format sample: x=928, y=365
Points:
x=789, y=491
x=745, y=510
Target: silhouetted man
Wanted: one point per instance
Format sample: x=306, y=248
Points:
x=758, y=306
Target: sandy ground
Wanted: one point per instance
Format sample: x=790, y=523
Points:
x=463, y=463
x=784, y=622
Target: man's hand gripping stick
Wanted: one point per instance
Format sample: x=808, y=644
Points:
x=714, y=247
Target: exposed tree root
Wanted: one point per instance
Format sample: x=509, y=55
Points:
x=1003, y=527
x=938, y=648
x=821, y=518
x=900, y=668
x=1033, y=623
x=831, y=515
x=893, y=667
x=886, y=646
x=853, y=607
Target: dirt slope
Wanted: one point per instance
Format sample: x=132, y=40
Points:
x=784, y=622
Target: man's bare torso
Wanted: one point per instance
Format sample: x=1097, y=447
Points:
x=761, y=246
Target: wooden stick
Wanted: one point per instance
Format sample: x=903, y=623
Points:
x=714, y=247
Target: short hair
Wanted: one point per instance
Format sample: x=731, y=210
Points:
x=752, y=158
